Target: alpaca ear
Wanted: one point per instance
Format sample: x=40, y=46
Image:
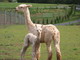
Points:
x=29, y=5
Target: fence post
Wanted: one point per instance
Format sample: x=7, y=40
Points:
x=16, y=18
x=4, y=16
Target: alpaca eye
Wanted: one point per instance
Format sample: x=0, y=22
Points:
x=21, y=7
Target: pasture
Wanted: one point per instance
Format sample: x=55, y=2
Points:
x=11, y=36
x=11, y=42
x=13, y=5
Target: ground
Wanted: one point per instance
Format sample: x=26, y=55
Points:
x=11, y=42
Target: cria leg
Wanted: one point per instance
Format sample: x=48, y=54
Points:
x=35, y=51
x=25, y=46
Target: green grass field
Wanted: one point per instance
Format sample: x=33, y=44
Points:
x=13, y=5
x=11, y=42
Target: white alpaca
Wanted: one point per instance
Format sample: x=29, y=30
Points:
x=48, y=33
x=34, y=41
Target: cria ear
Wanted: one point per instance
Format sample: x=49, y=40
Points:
x=29, y=5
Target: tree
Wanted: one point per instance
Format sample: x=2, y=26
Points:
x=52, y=1
x=12, y=0
x=5, y=0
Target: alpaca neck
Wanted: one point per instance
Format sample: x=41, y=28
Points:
x=38, y=35
x=28, y=19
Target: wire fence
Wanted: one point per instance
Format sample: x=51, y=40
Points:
x=9, y=16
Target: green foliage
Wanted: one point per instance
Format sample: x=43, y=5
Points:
x=45, y=1
x=5, y=0
x=52, y=1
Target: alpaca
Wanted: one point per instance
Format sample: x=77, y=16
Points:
x=35, y=41
x=48, y=33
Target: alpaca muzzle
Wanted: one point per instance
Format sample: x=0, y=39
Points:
x=16, y=9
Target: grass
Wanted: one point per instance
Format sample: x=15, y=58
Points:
x=69, y=42
x=13, y=5
x=11, y=41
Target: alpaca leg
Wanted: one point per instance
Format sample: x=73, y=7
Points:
x=49, y=51
x=57, y=46
x=25, y=46
x=23, y=51
x=34, y=56
x=38, y=51
x=34, y=52
x=58, y=52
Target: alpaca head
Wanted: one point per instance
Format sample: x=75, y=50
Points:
x=22, y=7
x=38, y=29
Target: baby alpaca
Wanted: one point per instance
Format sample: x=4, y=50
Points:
x=34, y=41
